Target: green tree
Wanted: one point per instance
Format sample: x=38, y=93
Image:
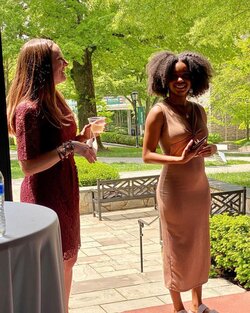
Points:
x=12, y=25
x=231, y=88
x=108, y=42
x=219, y=26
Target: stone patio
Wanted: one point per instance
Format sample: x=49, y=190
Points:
x=107, y=277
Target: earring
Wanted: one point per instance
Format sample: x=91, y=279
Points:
x=190, y=91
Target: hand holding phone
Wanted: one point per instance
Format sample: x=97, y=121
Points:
x=198, y=143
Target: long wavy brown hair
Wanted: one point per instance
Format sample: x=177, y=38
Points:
x=34, y=82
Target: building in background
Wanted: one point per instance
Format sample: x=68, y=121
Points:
x=124, y=113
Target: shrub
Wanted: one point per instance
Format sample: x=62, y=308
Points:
x=230, y=247
x=242, y=142
x=89, y=173
x=114, y=137
x=117, y=129
x=214, y=138
x=12, y=141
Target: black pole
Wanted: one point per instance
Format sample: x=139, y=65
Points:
x=4, y=137
x=136, y=125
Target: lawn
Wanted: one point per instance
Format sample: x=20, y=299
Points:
x=133, y=152
x=130, y=167
x=120, y=152
x=127, y=167
x=15, y=170
x=137, y=152
x=242, y=179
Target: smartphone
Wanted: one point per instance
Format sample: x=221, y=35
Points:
x=198, y=143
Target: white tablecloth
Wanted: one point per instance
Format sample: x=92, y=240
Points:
x=31, y=266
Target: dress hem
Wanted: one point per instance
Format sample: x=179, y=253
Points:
x=186, y=289
x=71, y=253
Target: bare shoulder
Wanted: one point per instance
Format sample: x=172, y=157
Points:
x=154, y=123
x=202, y=111
x=156, y=113
x=201, y=108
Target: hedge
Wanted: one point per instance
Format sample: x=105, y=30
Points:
x=214, y=138
x=116, y=137
x=89, y=173
x=113, y=137
x=230, y=247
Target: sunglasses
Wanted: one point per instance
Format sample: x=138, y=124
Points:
x=184, y=76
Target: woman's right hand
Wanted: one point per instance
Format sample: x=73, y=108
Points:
x=187, y=153
x=85, y=150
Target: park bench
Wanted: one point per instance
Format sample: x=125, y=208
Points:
x=123, y=189
x=231, y=202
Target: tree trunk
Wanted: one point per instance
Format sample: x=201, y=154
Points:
x=82, y=75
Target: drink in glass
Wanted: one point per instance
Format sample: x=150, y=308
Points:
x=97, y=127
x=97, y=124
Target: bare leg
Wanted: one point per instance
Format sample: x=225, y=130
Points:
x=196, y=298
x=68, y=265
x=177, y=302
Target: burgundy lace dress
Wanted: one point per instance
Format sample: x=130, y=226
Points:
x=56, y=187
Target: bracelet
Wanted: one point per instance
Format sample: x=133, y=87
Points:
x=66, y=149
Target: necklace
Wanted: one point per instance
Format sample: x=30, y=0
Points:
x=182, y=108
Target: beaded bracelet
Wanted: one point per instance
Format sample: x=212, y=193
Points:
x=65, y=150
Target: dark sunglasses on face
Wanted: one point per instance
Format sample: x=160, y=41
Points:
x=184, y=76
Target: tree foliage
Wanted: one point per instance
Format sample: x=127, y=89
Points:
x=231, y=88
x=108, y=42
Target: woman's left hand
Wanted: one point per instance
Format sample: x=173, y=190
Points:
x=85, y=150
x=207, y=150
x=85, y=134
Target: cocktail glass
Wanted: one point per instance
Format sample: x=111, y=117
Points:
x=97, y=127
x=97, y=124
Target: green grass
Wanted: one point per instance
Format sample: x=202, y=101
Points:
x=242, y=142
x=16, y=170
x=128, y=167
x=121, y=167
x=114, y=151
x=242, y=179
x=239, y=154
x=120, y=152
x=229, y=162
x=134, y=152
x=137, y=152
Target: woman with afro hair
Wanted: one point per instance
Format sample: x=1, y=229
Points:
x=178, y=125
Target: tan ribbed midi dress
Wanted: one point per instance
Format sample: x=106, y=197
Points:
x=183, y=197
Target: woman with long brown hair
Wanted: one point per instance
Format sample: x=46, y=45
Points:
x=45, y=130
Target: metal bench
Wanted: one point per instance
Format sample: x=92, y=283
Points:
x=123, y=189
x=232, y=202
